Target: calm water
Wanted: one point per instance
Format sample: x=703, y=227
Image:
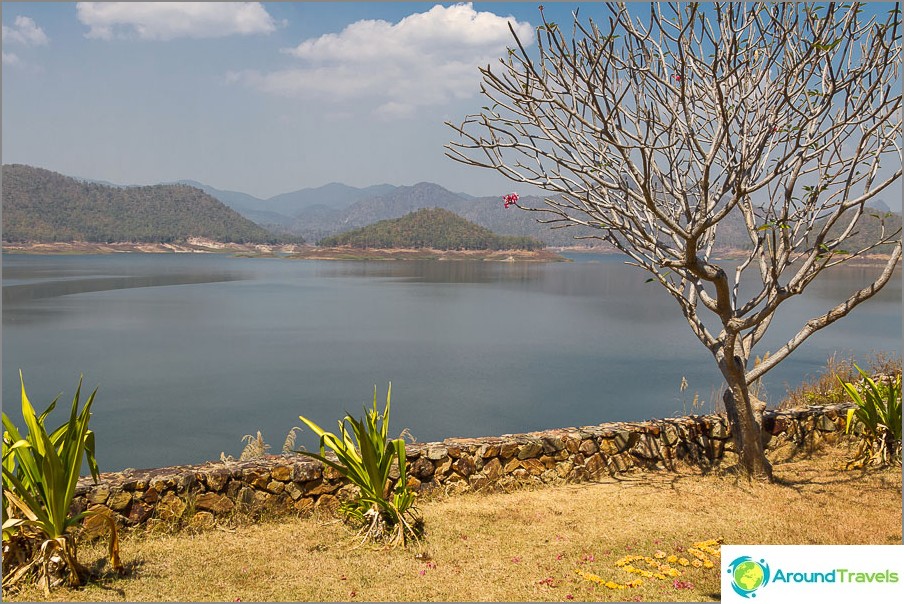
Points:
x=190, y=353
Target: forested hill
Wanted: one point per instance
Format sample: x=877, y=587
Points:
x=434, y=228
x=40, y=205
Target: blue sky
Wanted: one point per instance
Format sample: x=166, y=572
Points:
x=262, y=98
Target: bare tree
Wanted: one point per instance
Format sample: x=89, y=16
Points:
x=654, y=130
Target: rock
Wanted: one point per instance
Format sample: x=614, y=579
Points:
x=320, y=487
x=625, y=439
x=457, y=488
x=119, y=501
x=99, y=494
x=246, y=496
x=413, y=483
x=294, y=490
x=185, y=482
x=464, y=465
x=276, y=487
x=261, y=499
x=552, y=444
x=258, y=478
x=669, y=435
x=825, y=424
x=492, y=469
x=511, y=466
x=140, y=512
x=170, y=507
x=608, y=446
x=394, y=473
x=216, y=480
x=530, y=450
x=331, y=473
x=548, y=462
x=348, y=492
x=437, y=453
x=487, y=451
x=719, y=430
x=150, y=496
x=212, y=502
x=588, y=447
x=595, y=466
x=422, y=469
x=202, y=521
x=281, y=473
x=454, y=451
x=533, y=466
x=442, y=467
x=564, y=469
x=307, y=471
x=508, y=449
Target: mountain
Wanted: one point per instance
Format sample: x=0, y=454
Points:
x=333, y=195
x=434, y=228
x=40, y=205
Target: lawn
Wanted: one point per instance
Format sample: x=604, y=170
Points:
x=518, y=546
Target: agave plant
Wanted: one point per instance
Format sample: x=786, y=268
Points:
x=40, y=473
x=878, y=412
x=365, y=457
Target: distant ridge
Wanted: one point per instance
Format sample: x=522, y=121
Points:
x=44, y=206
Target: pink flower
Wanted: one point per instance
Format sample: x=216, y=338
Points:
x=682, y=584
x=516, y=559
x=677, y=77
x=510, y=200
x=569, y=597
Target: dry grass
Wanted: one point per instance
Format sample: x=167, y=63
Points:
x=515, y=547
x=825, y=389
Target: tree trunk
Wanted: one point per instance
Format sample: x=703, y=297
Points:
x=746, y=432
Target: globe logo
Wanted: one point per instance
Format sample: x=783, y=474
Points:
x=748, y=575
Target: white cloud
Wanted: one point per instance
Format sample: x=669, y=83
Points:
x=424, y=59
x=25, y=32
x=168, y=20
x=10, y=59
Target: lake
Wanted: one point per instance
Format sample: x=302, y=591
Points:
x=192, y=352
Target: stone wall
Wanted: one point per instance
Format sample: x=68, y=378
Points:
x=196, y=496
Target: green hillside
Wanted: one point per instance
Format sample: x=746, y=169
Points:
x=430, y=228
x=43, y=206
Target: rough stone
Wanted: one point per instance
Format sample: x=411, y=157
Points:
x=294, y=490
x=511, y=466
x=464, y=465
x=348, y=492
x=212, y=502
x=533, y=466
x=119, y=501
x=551, y=444
x=422, y=469
x=413, y=483
x=595, y=465
x=170, y=507
x=150, y=496
x=256, y=477
x=140, y=512
x=331, y=473
x=530, y=450
x=216, y=480
x=492, y=469
x=454, y=451
x=437, y=453
x=320, y=487
x=508, y=449
x=305, y=472
x=99, y=495
x=281, y=473
x=488, y=451
x=443, y=467
x=185, y=482
x=276, y=487
x=589, y=447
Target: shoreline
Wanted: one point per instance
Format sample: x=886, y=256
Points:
x=295, y=251
x=287, y=251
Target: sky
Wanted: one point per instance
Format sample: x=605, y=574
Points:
x=262, y=98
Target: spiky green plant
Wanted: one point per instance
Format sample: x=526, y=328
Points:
x=878, y=413
x=365, y=457
x=40, y=474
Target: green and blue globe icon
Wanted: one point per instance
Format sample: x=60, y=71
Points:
x=748, y=575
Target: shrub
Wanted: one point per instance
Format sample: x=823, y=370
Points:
x=40, y=473
x=878, y=414
x=366, y=461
